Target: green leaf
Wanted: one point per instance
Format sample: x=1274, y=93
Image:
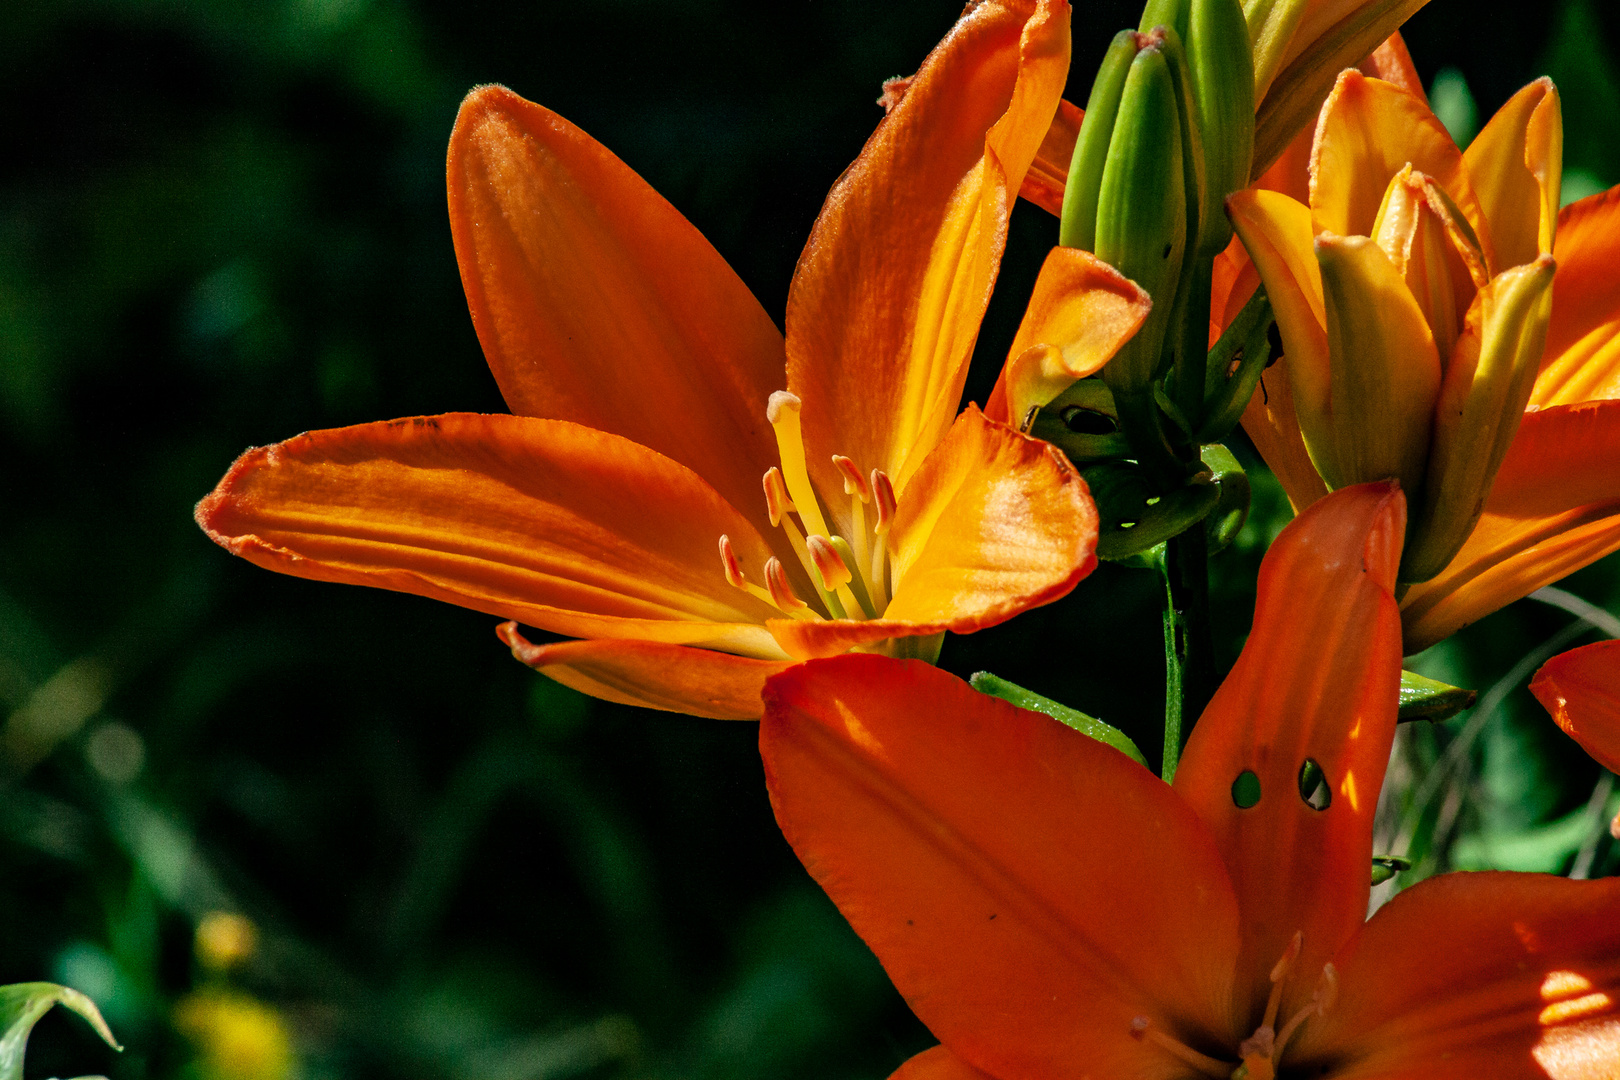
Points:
x=21, y=1006
x=1385, y=867
x=1090, y=726
x=1423, y=698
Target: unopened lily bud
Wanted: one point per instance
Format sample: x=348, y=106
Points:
x=1078, y=228
x=1482, y=400
x=1142, y=209
x=1222, y=70
x=1384, y=391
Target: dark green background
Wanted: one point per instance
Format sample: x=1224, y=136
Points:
x=222, y=223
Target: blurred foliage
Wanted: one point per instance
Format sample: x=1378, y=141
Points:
x=281, y=829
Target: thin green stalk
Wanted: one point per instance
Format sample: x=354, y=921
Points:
x=1174, y=640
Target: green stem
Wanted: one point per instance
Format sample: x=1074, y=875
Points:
x=1173, y=662
x=1192, y=355
x=1188, y=560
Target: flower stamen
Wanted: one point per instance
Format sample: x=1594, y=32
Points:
x=883, y=497
x=834, y=573
x=1142, y=1028
x=782, y=594
x=859, y=492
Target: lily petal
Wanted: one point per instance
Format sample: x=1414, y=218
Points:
x=994, y=523
x=1582, y=361
x=1276, y=230
x=1030, y=891
x=1388, y=377
x=675, y=678
x=937, y=1063
x=1485, y=974
x=1049, y=173
x=572, y=530
x=1480, y=410
x=1554, y=508
x=1581, y=689
x=1318, y=681
x=887, y=299
x=1271, y=422
x=1515, y=164
x=1370, y=130
x=1392, y=62
x=1331, y=35
x=1080, y=313
x=598, y=303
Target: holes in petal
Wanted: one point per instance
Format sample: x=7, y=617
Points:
x=1084, y=421
x=1313, y=786
x=1246, y=789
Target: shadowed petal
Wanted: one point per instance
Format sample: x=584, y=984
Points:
x=887, y=298
x=1317, y=681
x=1276, y=230
x=1582, y=361
x=597, y=302
x=937, y=1063
x=1029, y=890
x=572, y=530
x=1369, y=131
x=1271, y=422
x=993, y=524
x=1478, y=975
x=1049, y=173
x=1581, y=689
x=1554, y=508
x=674, y=678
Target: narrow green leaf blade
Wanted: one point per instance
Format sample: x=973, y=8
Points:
x=1090, y=726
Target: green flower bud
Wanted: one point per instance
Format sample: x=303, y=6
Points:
x=1079, y=223
x=1222, y=71
x=1142, y=209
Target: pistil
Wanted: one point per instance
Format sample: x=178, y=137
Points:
x=850, y=576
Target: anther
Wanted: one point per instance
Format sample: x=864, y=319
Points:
x=829, y=564
x=854, y=483
x=1142, y=1028
x=777, y=501
x=883, y=493
x=782, y=594
x=728, y=559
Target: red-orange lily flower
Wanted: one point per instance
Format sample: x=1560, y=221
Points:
x=1554, y=505
x=1581, y=689
x=1050, y=909
x=647, y=384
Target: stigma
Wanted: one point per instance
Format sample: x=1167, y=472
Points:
x=848, y=574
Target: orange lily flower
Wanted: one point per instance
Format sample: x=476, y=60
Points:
x=1581, y=689
x=1449, y=393
x=647, y=384
x=1050, y=909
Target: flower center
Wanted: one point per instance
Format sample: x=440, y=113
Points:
x=851, y=576
x=1261, y=1053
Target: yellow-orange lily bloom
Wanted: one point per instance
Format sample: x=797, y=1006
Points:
x=1427, y=367
x=1050, y=909
x=622, y=504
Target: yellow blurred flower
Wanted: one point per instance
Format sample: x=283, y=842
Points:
x=237, y=1036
